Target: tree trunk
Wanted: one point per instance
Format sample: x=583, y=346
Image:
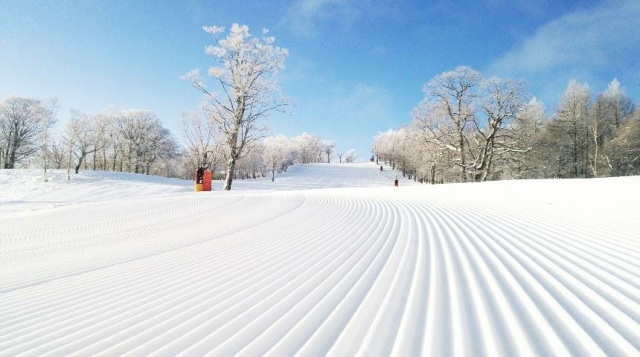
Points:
x=231, y=166
x=433, y=173
x=10, y=164
x=104, y=159
x=463, y=161
x=70, y=159
x=80, y=159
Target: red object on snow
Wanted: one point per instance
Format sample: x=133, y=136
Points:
x=206, y=180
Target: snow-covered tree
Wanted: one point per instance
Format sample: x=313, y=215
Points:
x=56, y=152
x=245, y=72
x=620, y=107
x=252, y=165
x=500, y=103
x=48, y=120
x=389, y=146
x=526, y=132
x=139, y=141
x=401, y=149
x=309, y=148
x=22, y=121
x=350, y=156
x=611, y=111
x=328, y=147
x=276, y=150
x=449, y=109
x=73, y=131
x=572, y=114
x=102, y=125
x=624, y=153
x=203, y=141
x=467, y=115
x=87, y=135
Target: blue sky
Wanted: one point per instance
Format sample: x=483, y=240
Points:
x=356, y=67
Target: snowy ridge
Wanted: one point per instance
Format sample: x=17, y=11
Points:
x=344, y=265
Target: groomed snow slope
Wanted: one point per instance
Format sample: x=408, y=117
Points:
x=329, y=259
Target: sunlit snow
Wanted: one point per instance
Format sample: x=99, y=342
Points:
x=328, y=259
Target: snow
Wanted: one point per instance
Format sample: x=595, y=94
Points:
x=328, y=259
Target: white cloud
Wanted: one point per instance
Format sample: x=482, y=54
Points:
x=305, y=16
x=601, y=41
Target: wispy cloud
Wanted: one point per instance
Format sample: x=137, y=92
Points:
x=589, y=44
x=305, y=17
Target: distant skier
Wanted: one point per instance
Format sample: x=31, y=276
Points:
x=381, y=168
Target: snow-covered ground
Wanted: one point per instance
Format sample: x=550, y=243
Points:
x=329, y=259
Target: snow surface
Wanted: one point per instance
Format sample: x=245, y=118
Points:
x=329, y=259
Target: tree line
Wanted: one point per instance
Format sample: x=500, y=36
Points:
x=126, y=141
x=472, y=128
x=136, y=141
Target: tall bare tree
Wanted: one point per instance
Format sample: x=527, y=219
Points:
x=245, y=72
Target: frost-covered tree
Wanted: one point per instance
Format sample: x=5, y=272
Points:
x=350, y=156
x=526, y=132
x=74, y=129
x=309, y=148
x=48, y=120
x=390, y=147
x=624, y=152
x=447, y=112
x=80, y=130
x=159, y=146
x=564, y=147
x=253, y=164
x=276, y=150
x=202, y=140
x=101, y=127
x=86, y=133
x=466, y=121
x=500, y=101
x=139, y=141
x=402, y=149
x=572, y=114
x=245, y=72
x=611, y=111
x=22, y=121
x=620, y=107
x=328, y=147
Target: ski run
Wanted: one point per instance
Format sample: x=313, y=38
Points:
x=330, y=259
